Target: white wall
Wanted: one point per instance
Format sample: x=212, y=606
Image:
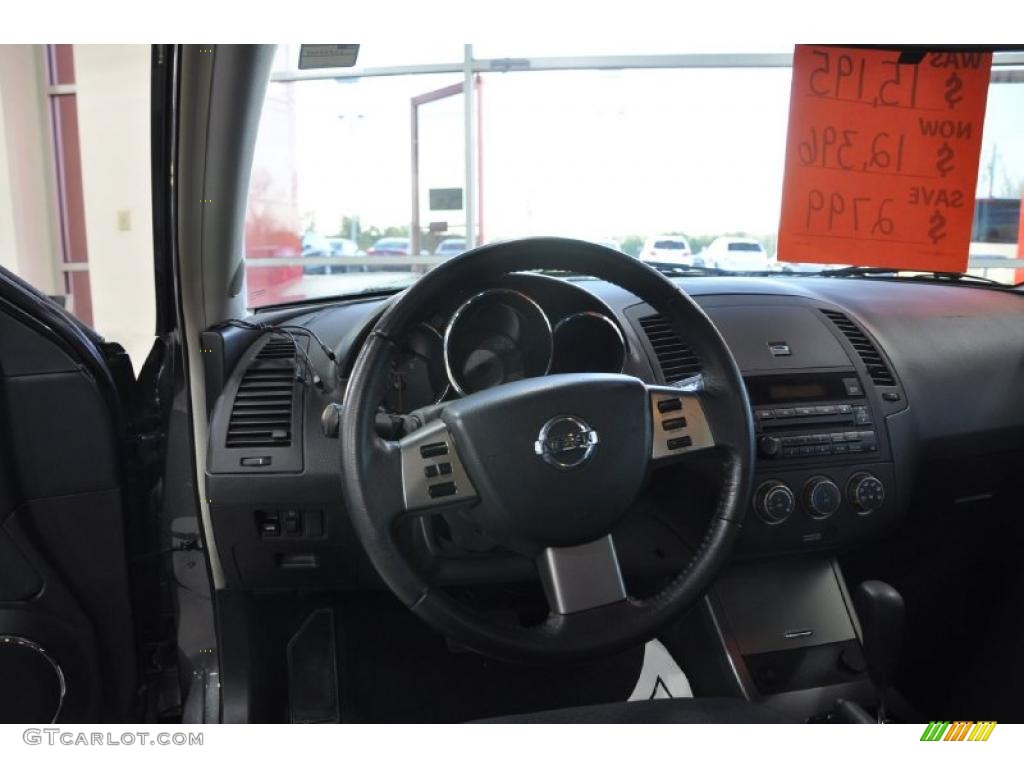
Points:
x=29, y=244
x=113, y=124
x=8, y=242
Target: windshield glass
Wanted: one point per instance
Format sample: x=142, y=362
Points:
x=392, y=165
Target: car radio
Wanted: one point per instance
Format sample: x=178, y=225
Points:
x=811, y=415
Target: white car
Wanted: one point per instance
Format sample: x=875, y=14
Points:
x=668, y=249
x=736, y=254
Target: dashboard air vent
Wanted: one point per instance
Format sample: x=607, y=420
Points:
x=869, y=354
x=262, y=412
x=676, y=359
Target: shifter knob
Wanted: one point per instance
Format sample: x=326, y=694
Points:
x=881, y=611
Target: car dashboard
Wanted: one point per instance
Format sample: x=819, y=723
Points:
x=854, y=385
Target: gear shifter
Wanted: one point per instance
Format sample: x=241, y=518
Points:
x=880, y=611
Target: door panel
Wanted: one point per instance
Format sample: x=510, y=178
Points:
x=65, y=613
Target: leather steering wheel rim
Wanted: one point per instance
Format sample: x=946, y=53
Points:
x=370, y=464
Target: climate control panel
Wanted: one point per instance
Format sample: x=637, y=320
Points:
x=820, y=497
x=797, y=510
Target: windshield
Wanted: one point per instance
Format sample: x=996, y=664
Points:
x=613, y=162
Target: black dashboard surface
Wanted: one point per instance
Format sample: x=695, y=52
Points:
x=956, y=355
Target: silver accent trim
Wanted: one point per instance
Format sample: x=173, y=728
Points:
x=26, y=643
x=586, y=439
x=582, y=577
x=416, y=484
x=742, y=680
x=697, y=427
x=474, y=299
x=599, y=316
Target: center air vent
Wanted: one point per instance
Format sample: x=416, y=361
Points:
x=868, y=352
x=262, y=412
x=676, y=359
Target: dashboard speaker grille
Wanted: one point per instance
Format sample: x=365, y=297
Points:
x=868, y=352
x=676, y=359
x=262, y=412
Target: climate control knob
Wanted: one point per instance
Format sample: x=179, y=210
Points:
x=821, y=497
x=774, y=501
x=865, y=492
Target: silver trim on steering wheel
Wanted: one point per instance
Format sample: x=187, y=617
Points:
x=473, y=300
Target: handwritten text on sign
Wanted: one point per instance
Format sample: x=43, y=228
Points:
x=882, y=158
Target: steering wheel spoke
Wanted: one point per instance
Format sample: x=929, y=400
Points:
x=680, y=426
x=433, y=475
x=581, y=577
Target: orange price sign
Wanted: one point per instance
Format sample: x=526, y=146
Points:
x=882, y=158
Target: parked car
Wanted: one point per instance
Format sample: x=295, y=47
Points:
x=343, y=246
x=450, y=246
x=668, y=249
x=736, y=254
x=315, y=245
x=391, y=246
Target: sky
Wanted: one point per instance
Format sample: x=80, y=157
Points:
x=582, y=153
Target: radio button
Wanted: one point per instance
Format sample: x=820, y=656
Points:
x=869, y=440
x=804, y=411
x=844, y=408
x=784, y=413
x=853, y=388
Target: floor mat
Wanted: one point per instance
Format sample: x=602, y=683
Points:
x=660, y=676
x=395, y=669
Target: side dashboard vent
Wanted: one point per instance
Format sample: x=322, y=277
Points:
x=869, y=354
x=261, y=415
x=676, y=359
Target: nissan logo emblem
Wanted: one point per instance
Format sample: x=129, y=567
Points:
x=565, y=442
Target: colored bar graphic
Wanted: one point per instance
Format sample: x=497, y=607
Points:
x=935, y=730
x=958, y=730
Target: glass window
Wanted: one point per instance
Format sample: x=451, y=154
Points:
x=334, y=159
x=680, y=165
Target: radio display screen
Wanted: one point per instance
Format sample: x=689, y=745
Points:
x=781, y=393
x=797, y=387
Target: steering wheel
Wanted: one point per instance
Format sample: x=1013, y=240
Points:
x=548, y=465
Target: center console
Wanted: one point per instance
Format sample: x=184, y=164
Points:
x=824, y=471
